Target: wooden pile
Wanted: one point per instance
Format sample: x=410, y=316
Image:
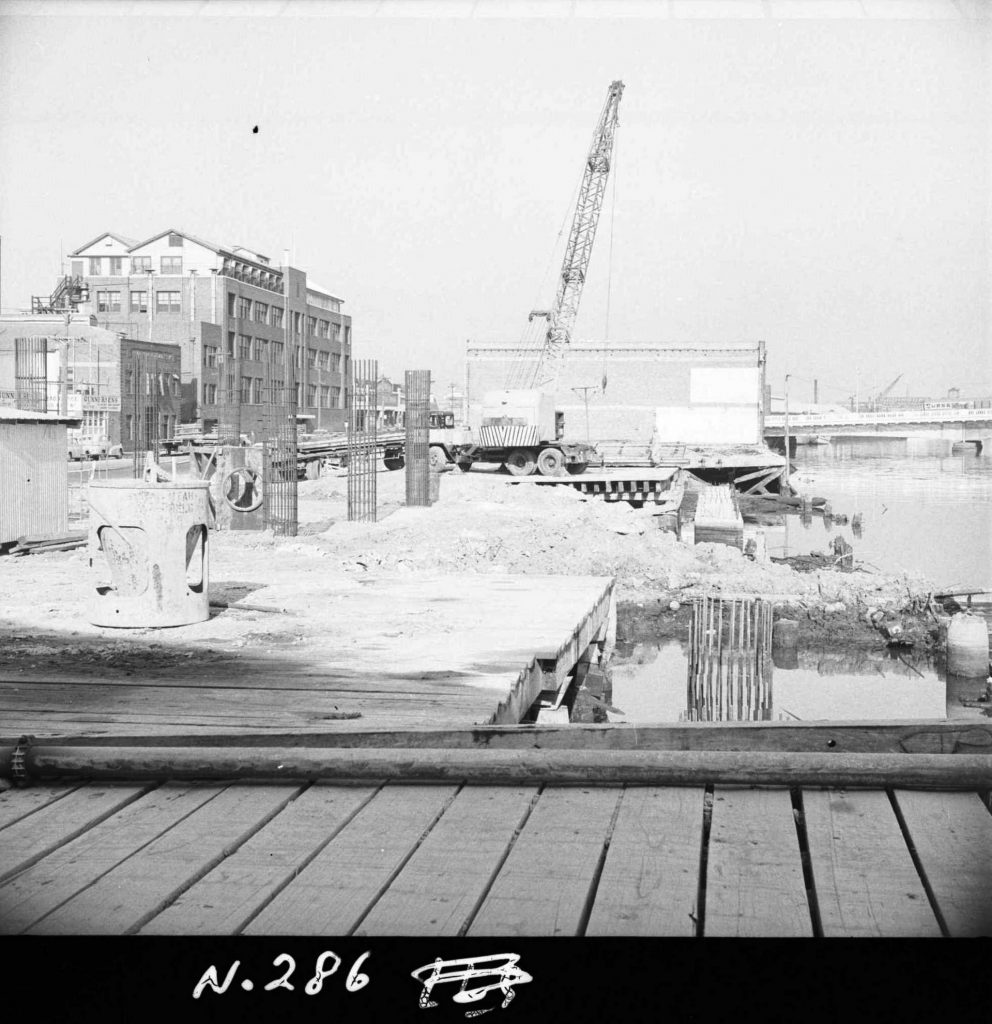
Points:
x=23, y=546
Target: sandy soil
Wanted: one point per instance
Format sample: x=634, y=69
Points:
x=482, y=523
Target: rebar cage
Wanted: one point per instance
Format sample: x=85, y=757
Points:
x=418, y=406
x=362, y=406
x=730, y=671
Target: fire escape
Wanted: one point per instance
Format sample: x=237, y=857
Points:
x=68, y=294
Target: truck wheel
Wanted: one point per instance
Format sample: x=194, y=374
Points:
x=393, y=462
x=575, y=468
x=520, y=462
x=437, y=456
x=550, y=462
x=464, y=465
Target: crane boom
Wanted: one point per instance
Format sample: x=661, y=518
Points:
x=887, y=389
x=561, y=317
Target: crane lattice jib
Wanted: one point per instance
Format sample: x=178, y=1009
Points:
x=562, y=316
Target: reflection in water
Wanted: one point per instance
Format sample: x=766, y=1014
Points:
x=921, y=507
x=652, y=684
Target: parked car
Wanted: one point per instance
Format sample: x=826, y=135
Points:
x=87, y=447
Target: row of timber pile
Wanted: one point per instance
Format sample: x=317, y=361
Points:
x=717, y=517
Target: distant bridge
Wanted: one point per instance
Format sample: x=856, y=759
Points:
x=950, y=424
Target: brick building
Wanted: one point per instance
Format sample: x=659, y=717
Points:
x=246, y=328
x=713, y=391
x=124, y=390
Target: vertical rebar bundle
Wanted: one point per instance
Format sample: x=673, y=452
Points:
x=31, y=374
x=730, y=670
x=279, y=467
x=418, y=407
x=145, y=402
x=362, y=404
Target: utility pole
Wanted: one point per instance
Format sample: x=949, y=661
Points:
x=816, y=392
x=787, y=428
x=585, y=394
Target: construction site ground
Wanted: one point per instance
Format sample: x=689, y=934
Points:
x=481, y=524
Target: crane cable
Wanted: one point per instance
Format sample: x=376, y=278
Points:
x=614, y=169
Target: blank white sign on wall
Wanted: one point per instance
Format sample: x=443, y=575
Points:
x=724, y=385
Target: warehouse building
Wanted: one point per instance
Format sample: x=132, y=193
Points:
x=708, y=394
x=246, y=329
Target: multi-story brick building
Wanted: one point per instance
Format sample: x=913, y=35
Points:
x=246, y=328
x=628, y=392
x=123, y=390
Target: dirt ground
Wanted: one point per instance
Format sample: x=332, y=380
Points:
x=482, y=523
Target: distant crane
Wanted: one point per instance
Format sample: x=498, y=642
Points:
x=878, y=398
x=562, y=315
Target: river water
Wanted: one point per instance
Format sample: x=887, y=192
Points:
x=925, y=510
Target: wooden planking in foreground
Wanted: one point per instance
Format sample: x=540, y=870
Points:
x=481, y=860
x=456, y=650
x=863, y=873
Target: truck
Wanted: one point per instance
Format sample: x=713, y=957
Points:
x=198, y=433
x=89, y=446
x=522, y=430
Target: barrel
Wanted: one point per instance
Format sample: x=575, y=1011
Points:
x=968, y=646
x=151, y=538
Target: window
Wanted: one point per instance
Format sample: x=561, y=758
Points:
x=244, y=346
x=77, y=268
x=277, y=351
x=335, y=397
x=141, y=264
x=246, y=390
x=244, y=309
x=129, y=427
x=210, y=394
x=347, y=336
x=299, y=394
x=324, y=329
x=230, y=388
x=298, y=356
x=139, y=302
x=336, y=333
x=311, y=395
x=258, y=349
x=261, y=312
x=336, y=362
x=231, y=303
x=96, y=265
x=325, y=397
x=311, y=325
x=116, y=266
x=167, y=302
x=230, y=343
x=257, y=386
x=210, y=353
x=275, y=316
x=311, y=357
x=323, y=359
x=175, y=239
x=172, y=264
x=108, y=302
x=297, y=319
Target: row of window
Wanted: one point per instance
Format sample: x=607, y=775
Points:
x=152, y=383
x=166, y=426
x=254, y=391
x=113, y=266
x=261, y=313
x=265, y=350
x=109, y=301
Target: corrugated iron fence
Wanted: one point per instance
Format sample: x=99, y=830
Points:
x=363, y=455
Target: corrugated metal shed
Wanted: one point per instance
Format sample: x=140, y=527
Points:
x=34, y=480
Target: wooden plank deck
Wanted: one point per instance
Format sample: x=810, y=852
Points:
x=389, y=652
x=319, y=859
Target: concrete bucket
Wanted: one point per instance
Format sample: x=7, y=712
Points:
x=152, y=539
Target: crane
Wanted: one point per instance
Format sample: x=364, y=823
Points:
x=562, y=315
x=878, y=398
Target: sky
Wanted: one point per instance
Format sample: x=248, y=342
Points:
x=811, y=173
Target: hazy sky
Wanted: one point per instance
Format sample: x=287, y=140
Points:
x=821, y=183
